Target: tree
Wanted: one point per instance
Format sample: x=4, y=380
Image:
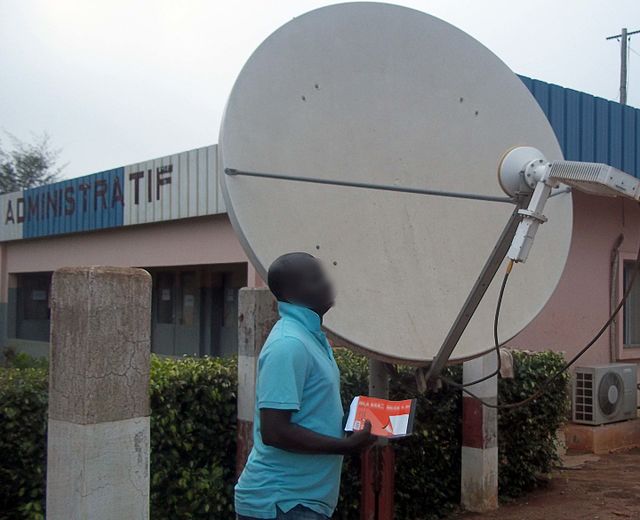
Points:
x=27, y=165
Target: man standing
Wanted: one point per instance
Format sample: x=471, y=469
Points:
x=293, y=470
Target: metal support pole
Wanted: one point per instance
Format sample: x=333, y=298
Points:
x=378, y=462
x=378, y=379
x=623, y=67
x=367, y=185
x=624, y=43
x=476, y=294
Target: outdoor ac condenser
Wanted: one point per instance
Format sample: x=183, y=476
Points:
x=605, y=393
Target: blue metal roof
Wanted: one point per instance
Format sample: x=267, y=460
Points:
x=590, y=128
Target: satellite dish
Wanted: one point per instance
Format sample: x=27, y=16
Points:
x=382, y=94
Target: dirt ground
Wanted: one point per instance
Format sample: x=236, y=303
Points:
x=587, y=487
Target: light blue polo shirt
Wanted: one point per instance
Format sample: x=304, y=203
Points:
x=296, y=371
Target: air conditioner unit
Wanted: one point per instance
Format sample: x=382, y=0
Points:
x=605, y=393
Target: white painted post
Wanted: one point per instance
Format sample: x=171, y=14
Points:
x=98, y=430
x=479, y=482
x=257, y=313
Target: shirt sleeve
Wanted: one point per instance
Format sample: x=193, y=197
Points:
x=282, y=371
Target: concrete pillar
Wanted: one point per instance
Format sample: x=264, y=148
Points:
x=98, y=431
x=257, y=313
x=479, y=489
x=4, y=297
x=254, y=280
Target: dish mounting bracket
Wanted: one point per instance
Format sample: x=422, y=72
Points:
x=477, y=292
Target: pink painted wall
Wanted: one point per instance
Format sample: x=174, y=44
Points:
x=577, y=309
x=581, y=303
x=202, y=240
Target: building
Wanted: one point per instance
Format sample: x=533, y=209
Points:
x=167, y=216
x=606, y=233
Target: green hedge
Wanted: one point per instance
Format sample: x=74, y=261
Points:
x=193, y=402
x=428, y=484
x=193, y=437
x=527, y=435
x=429, y=479
x=23, y=410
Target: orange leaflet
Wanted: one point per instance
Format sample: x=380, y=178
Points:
x=387, y=418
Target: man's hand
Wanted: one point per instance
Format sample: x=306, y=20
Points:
x=361, y=439
x=278, y=431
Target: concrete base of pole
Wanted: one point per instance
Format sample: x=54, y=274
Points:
x=93, y=463
x=480, y=486
x=479, y=482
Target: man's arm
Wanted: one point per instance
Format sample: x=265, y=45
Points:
x=278, y=431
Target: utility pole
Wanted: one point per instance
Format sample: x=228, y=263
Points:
x=624, y=37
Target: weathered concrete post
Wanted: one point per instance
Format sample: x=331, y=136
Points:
x=98, y=438
x=479, y=490
x=257, y=313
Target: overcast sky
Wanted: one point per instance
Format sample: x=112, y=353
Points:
x=115, y=82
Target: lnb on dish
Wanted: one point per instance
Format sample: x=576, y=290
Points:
x=524, y=171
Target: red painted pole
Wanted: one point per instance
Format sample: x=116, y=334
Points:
x=378, y=483
x=244, y=443
x=367, y=477
x=378, y=462
x=387, y=483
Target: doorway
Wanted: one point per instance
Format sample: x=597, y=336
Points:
x=195, y=309
x=176, y=311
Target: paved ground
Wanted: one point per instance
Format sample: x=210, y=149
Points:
x=589, y=487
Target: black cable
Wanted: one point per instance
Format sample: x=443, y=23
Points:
x=496, y=343
x=568, y=364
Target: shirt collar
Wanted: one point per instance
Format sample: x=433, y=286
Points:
x=303, y=315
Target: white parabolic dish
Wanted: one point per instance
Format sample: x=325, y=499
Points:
x=384, y=94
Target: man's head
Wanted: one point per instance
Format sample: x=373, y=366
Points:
x=299, y=278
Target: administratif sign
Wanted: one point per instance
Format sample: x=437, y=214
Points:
x=176, y=186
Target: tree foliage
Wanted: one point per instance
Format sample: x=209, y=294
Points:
x=28, y=164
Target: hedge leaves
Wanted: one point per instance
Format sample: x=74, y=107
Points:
x=193, y=438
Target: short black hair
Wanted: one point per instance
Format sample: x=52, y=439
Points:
x=280, y=273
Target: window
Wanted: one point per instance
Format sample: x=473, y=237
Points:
x=33, y=306
x=189, y=288
x=631, y=323
x=164, y=296
x=34, y=291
